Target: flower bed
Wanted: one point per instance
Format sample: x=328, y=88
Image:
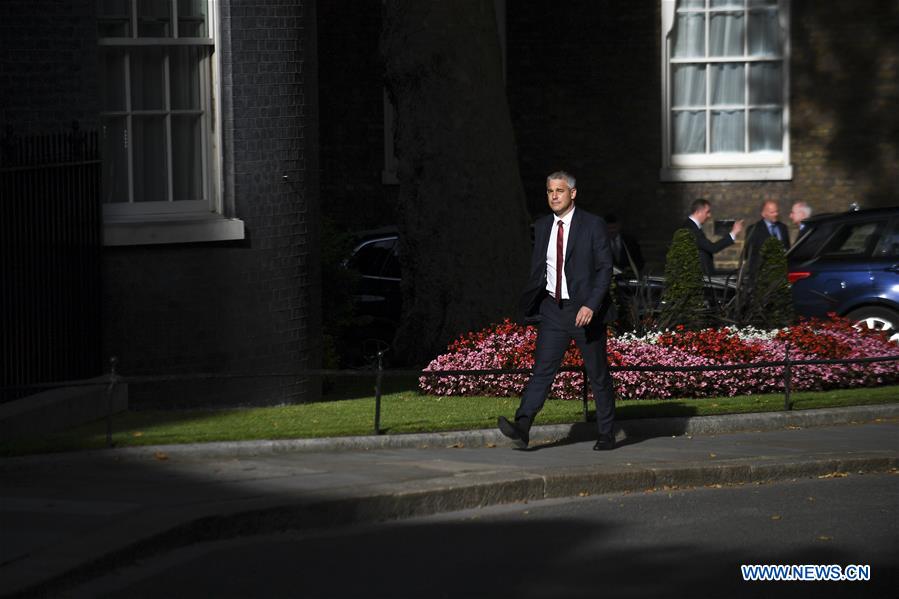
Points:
x=509, y=345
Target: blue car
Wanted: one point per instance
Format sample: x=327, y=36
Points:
x=849, y=264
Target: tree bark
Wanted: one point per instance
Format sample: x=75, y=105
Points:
x=462, y=216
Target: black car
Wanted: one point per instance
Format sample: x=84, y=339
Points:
x=848, y=264
x=376, y=258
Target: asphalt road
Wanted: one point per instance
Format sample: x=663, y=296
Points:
x=659, y=543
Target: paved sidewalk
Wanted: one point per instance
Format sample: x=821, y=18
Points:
x=66, y=517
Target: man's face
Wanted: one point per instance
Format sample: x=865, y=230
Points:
x=795, y=214
x=770, y=212
x=703, y=214
x=560, y=196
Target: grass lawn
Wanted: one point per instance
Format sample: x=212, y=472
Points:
x=349, y=410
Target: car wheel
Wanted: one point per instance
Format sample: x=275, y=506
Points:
x=878, y=319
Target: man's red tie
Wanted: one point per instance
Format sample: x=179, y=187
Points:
x=560, y=261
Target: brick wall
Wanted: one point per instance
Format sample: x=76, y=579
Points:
x=48, y=65
x=247, y=306
x=252, y=306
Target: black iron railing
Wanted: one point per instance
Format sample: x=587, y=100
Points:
x=50, y=244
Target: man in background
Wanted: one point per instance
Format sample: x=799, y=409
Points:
x=798, y=213
x=701, y=211
x=767, y=226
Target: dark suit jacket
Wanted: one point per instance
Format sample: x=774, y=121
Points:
x=588, y=266
x=706, y=247
x=757, y=236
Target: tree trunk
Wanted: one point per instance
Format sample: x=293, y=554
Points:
x=462, y=216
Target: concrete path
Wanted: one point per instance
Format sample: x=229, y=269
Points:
x=67, y=517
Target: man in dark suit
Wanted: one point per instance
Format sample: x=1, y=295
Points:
x=701, y=211
x=568, y=289
x=767, y=226
x=798, y=213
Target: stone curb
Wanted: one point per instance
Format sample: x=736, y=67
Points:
x=576, y=432
x=163, y=532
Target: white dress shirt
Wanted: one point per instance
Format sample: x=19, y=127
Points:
x=551, y=254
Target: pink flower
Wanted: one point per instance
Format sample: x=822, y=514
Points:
x=511, y=346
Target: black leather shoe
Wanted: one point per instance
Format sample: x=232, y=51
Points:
x=605, y=443
x=518, y=436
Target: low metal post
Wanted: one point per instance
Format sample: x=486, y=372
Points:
x=110, y=390
x=788, y=405
x=378, y=380
x=584, y=394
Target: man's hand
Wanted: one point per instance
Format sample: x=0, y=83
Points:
x=584, y=316
x=738, y=226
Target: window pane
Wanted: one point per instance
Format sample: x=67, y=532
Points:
x=888, y=245
x=147, y=79
x=691, y=4
x=392, y=265
x=765, y=85
x=154, y=18
x=765, y=130
x=764, y=34
x=726, y=34
x=185, y=78
x=187, y=165
x=688, y=132
x=150, y=160
x=727, y=84
x=740, y=4
x=754, y=3
x=191, y=18
x=114, y=18
x=112, y=80
x=855, y=240
x=115, y=160
x=370, y=258
x=689, y=36
x=727, y=131
x=689, y=85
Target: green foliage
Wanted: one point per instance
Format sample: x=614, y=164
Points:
x=682, y=301
x=771, y=302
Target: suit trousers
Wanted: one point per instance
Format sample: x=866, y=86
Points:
x=554, y=333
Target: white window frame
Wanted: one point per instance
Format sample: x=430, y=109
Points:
x=142, y=223
x=731, y=166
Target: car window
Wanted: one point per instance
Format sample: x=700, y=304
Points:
x=369, y=259
x=888, y=246
x=811, y=243
x=392, y=265
x=853, y=240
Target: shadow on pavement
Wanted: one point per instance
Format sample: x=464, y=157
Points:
x=544, y=558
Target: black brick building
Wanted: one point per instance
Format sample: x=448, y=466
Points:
x=206, y=113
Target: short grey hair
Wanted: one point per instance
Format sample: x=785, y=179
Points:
x=568, y=177
x=803, y=208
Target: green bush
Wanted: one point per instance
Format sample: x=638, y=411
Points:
x=771, y=302
x=682, y=300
